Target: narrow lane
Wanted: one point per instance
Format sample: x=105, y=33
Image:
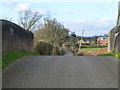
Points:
x=62, y=72
x=68, y=53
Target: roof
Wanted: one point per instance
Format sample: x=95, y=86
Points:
x=99, y=38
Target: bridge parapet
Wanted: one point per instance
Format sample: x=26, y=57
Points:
x=15, y=38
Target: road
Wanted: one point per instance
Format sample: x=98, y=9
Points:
x=62, y=72
x=68, y=53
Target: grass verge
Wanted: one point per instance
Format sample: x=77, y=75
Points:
x=117, y=55
x=93, y=46
x=87, y=49
x=7, y=59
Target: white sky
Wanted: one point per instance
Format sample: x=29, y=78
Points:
x=97, y=17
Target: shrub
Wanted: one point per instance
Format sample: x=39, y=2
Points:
x=45, y=48
x=86, y=44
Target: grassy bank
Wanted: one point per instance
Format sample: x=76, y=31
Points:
x=7, y=59
x=111, y=54
x=90, y=46
x=87, y=49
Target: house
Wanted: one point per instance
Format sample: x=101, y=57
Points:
x=102, y=40
x=90, y=40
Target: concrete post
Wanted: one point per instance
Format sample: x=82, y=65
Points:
x=81, y=40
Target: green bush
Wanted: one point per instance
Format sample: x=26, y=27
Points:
x=86, y=44
x=55, y=51
x=45, y=48
x=58, y=51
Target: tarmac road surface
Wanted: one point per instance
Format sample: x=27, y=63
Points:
x=62, y=72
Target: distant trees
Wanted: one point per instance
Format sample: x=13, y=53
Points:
x=105, y=35
x=29, y=20
x=52, y=32
x=73, y=34
x=71, y=39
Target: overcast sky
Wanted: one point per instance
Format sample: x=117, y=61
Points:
x=96, y=17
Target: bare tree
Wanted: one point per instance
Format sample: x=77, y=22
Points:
x=29, y=20
x=53, y=32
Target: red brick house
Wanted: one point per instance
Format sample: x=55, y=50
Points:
x=102, y=40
